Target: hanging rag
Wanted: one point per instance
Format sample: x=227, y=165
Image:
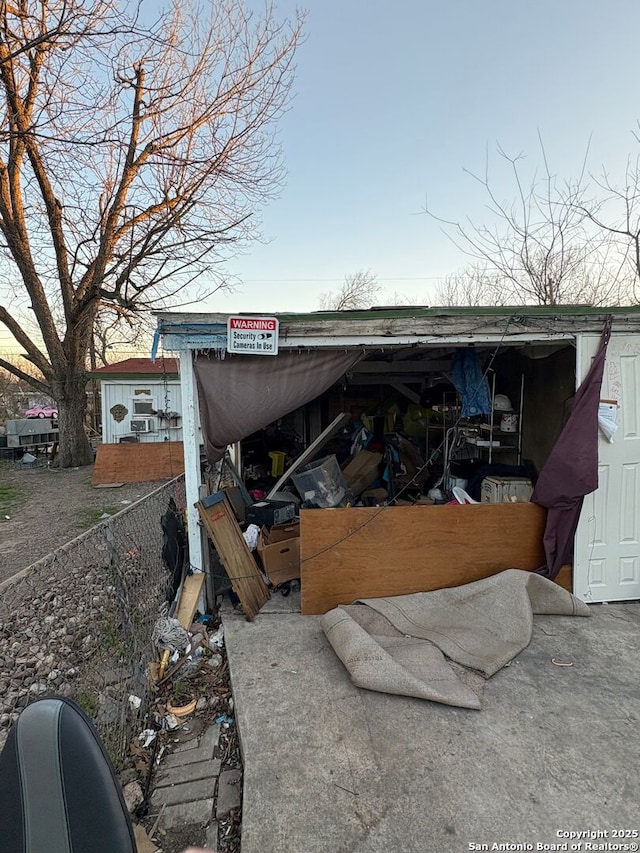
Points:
x=470, y=382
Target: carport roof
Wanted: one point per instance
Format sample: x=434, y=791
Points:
x=406, y=326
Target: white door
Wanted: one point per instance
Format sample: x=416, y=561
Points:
x=607, y=553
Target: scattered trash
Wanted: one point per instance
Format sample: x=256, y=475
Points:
x=251, y=536
x=172, y=722
x=559, y=663
x=215, y=661
x=135, y=702
x=8, y=517
x=162, y=667
x=230, y=703
x=147, y=736
x=126, y=502
x=181, y=710
x=144, y=843
x=166, y=723
x=224, y=720
x=216, y=640
x=133, y=796
x=168, y=633
x=105, y=515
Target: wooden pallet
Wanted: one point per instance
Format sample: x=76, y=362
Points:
x=224, y=531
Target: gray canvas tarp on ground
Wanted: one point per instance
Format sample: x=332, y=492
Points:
x=442, y=645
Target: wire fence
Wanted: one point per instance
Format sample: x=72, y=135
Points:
x=79, y=622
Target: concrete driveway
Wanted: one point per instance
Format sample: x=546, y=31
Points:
x=331, y=767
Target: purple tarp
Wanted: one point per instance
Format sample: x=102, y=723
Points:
x=571, y=471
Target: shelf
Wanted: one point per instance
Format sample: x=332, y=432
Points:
x=483, y=442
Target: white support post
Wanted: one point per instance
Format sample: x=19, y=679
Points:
x=191, y=446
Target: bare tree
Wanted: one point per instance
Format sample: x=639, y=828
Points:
x=539, y=249
x=359, y=290
x=13, y=394
x=475, y=285
x=133, y=157
x=617, y=213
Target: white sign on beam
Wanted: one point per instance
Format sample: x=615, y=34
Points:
x=252, y=335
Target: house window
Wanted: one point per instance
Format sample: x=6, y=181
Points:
x=143, y=406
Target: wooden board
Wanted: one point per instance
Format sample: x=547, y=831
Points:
x=311, y=451
x=191, y=589
x=142, y=462
x=371, y=552
x=224, y=531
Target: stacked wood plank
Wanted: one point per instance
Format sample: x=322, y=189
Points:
x=224, y=531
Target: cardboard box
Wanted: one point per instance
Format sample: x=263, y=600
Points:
x=270, y=512
x=499, y=490
x=279, y=552
x=362, y=471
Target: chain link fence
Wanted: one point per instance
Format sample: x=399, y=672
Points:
x=78, y=622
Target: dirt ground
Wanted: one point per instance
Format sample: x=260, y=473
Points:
x=42, y=508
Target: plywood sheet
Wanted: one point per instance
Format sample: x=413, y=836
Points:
x=141, y=462
x=365, y=552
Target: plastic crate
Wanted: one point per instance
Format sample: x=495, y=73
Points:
x=322, y=483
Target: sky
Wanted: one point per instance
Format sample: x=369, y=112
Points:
x=393, y=101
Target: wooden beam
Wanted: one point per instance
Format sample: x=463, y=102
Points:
x=191, y=440
x=364, y=552
x=189, y=597
x=384, y=378
x=406, y=391
x=312, y=450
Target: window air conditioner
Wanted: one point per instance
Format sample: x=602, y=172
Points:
x=142, y=425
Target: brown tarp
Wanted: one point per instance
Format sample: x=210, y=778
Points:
x=243, y=393
x=571, y=471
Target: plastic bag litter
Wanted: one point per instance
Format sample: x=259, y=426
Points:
x=147, y=736
x=251, y=536
x=216, y=640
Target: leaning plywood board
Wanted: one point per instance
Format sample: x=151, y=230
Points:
x=141, y=462
x=191, y=589
x=371, y=552
x=224, y=531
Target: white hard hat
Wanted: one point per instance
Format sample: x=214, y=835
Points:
x=502, y=403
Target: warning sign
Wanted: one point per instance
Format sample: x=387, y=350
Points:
x=252, y=335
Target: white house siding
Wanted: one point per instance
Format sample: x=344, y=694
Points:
x=165, y=396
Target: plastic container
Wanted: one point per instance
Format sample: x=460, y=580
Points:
x=497, y=490
x=277, y=462
x=322, y=483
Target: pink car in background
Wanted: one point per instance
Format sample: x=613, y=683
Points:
x=42, y=412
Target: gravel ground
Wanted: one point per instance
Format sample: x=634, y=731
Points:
x=47, y=507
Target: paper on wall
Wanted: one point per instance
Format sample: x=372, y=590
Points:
x=607, y=419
